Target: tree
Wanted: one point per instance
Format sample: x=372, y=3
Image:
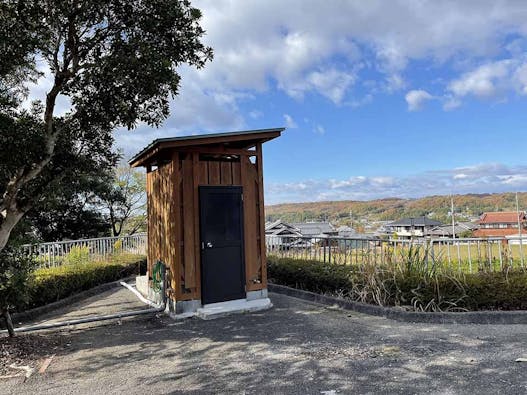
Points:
x=70, y=212
x=115, y=63
x=125, y=201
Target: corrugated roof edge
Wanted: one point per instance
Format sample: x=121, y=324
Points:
x=198, y=136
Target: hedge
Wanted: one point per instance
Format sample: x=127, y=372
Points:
x=415, y=290
x=52, y=284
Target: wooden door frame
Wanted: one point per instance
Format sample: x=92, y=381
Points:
x=242, y=233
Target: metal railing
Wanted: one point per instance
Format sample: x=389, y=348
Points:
x=59, y=252
x=461, y=254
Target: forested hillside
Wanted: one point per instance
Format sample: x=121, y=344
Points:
x=437, y=207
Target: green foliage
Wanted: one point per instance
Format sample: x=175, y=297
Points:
x=118, y=245
x=52, y=284
x=15, y=272
x=406, y=285
x=77, y=255
x=117, y=65
x=125, y=201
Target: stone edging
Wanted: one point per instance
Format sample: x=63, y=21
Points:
x=471, y=317
x=32, y=314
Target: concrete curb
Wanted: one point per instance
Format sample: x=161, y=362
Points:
x=32, y=314
x=472, y=317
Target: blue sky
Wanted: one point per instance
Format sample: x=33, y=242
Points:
x=380, y=98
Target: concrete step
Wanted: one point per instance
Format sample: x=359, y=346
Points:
x=221, y=309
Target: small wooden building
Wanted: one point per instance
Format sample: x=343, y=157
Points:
x=206, y=215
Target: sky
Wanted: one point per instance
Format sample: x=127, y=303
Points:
x=379, y=98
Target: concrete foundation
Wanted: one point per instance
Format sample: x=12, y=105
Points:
x=222, y=309
x=253, y=295
x=142, y=284
x=254, y=301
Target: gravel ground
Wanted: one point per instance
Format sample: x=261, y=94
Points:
x=295, y=348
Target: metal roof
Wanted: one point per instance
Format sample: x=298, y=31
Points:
x=314, y=228
x=243, y=135
x=417, y=221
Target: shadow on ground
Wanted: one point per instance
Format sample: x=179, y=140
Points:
x=296, y=347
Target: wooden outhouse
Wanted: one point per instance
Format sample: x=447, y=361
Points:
x=206, y=215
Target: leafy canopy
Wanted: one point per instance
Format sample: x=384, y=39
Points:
x=114, y=63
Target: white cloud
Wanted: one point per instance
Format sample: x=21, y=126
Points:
x=451, y=102
x=319, y=129
x=481, y=178
x=290, y=122
x=331, y=83
x=483, y=82
x=259, y=45
x=520, y=79
x=256, y=114
x=348, y=52
x=416, y=99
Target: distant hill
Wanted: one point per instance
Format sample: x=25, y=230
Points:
x=436, y=207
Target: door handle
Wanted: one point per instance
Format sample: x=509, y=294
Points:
x=209, y=244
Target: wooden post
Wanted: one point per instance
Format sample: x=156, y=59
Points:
x=197, y=260
x=263, y=258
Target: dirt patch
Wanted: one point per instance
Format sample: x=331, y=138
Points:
x=24, y=353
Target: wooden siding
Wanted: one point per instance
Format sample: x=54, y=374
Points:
x=160, y=197
x=173, y=216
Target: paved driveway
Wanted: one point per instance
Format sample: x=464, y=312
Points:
x=295, y=348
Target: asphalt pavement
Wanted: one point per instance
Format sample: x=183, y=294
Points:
x=297, y=347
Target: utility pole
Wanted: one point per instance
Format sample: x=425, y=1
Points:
x=452, y=214
x=519, y=229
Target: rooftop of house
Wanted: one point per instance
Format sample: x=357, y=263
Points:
x=460, y=227
x=417, y=221
x=279, y=225
x=314, y=228
x=502, y=217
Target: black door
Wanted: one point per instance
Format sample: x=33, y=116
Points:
x=221, y=230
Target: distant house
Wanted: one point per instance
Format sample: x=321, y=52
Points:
x=346, y=231
x=412, y=227
x=279, y=233
x=499, y=224
x=315, y=229
x=446, y=231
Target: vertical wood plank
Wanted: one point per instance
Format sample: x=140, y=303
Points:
x=236, y=176
x=188, y=223
x=175, y=234
x=203, y=173
x=149, y=247
x=214, y=173
x=181, y=279
x=226, y=173
x=261, y=216
x=197, y=237
x=249, y=214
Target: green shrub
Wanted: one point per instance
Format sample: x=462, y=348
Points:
x=52, y=284
x=77, y=255
x=15, y=273
x=118, y=245
x=407, y=285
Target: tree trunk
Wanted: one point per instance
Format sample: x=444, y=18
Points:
x=7, y=226
x=8, y=322
x=10, y=212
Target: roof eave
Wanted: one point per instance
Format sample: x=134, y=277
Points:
x=261, y=135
